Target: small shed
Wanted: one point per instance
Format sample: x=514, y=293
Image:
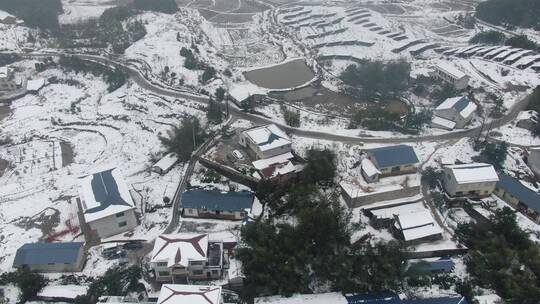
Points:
x=51, y=257
x=165, y=164
x=369, y=171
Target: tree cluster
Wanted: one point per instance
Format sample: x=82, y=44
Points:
x=185, y=138
x=112, y=31
x=283, y=258
x=42, y=14
x=116, y=282
x=292, y=118
x=523, y=13
x=497, y=38
x=494, y=153
x=114, y=77
x=214, y=113
x=162, y=6
x=503, y=258
x=377, y=78
x=28, y=282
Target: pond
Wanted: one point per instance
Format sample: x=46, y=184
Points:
x=282, y=76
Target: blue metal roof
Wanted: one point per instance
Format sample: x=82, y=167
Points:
x=443, y=264
x=444, y=300
x=105, y=191
x=394, y=156
x=380, y=298
x=217, y=201
x=47, y=253
x=461, y=104
x=519, y=191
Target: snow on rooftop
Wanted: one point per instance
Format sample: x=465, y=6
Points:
x=462, y=104
x=321, y=298
x=443, y=122
x=35, y=84
x=63, y=291
x=242, y=91
x=369, y=168
x=451, y=69
x=103, y=194
x=278, y=159
x=268, y=137
x=473, y=173
x=421, y=232
x=192, y=294
x=3, y=72
x=418, y=217
x=179, y=249
x=166, y=162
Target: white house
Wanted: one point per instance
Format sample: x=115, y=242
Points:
x=454, y=112
x=179, y=257
x=165, y=164
x=7, y=81
x=369, y=171
x=189, y=294
x=265, y=141
x=240, y=92
x=477, y=179
x=106, y=203
x=448, y=73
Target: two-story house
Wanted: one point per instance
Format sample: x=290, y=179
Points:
x=448, y=73
x=177, y=258
x=477, y=179
x=106, y=204
x=454, y=112
x=391, y=160
x=265, y=141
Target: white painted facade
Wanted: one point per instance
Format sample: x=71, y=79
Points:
x=477, y=179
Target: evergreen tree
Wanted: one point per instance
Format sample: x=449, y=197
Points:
x=185, y=138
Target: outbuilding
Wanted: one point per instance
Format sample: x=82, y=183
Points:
x=50, y=257
x=165, y=164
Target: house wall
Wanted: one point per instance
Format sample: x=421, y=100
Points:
x=459, y=84
x=109, y=226
x=194, y=271
x=381, y=196
x=72, y=267
x=474, y=189
x=453, y=115
x=399, y=170
x=227, y=215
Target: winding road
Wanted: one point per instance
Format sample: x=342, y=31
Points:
x=237, y=113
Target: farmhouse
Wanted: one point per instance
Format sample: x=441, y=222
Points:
x=417, y=226
x=192, y=294
x=448, y=73
x=453, y=113
x=520, y=196
x=165, y=164
x=477, y=179
x=179, y=257
x=51, y=257
x=265, y=141
x=214, y=204
x=393, y=160
x=106, y=203
x=7, y=81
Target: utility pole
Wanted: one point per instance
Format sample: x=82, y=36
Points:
x=193, y=131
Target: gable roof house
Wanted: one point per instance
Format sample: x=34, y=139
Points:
x=417, y=226
x=51, y=257
x=265, y=141
x=189, y=294
x=448, y=73
x=215, y=204
x=520, y=196
x=393, y=160
x=454, y=112
x=281, y=167
x=477, y=179
x=178, y=257
x=106, y=204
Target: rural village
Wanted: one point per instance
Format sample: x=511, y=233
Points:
x=269, y=152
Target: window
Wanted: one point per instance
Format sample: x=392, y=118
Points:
x=122, y=224
x=242, y=214
x=120, y=214
x=196, y=262
x=190, y=211
x=163, y=273
x=197, y=272
x=161, y=264
x=215, y=272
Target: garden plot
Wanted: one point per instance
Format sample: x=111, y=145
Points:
x=120, y=129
